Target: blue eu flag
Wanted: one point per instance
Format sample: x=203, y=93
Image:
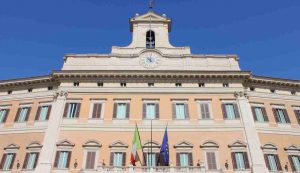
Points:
x=164, y=150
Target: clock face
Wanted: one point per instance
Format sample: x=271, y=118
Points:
x=149, y=59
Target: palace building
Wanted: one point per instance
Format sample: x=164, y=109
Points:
x=220, y=118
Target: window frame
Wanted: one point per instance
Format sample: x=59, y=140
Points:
x=38, y=113
x=7, y=108
x=66, y=114
x=91, y=110
x=199, y=103
x=156, y=107
x=127, y=109
x=211, y=146
x=186, y=109
x=240, y=147
x=63, y=146
x=91, y=146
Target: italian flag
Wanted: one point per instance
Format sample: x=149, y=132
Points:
x=136, y=145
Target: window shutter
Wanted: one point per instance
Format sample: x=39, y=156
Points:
x=265, y=114
x=286, y=116
x=191, y=159
x=292, y=163
x=174, y=111
x=278, y=162
x=202, y=109
x=236, y=110
x=78, y=110
x=6, y=115
x=18, y=114
x=206, y=106
x=69, y=158
x=157, y=158
x=157, y=110
x=56, y=159
x=247, y=165
x=127, y=110
x=2, y=161
x=49, y=111
x=267, y=161
x=233, y=160
x=144, y=110
x=224, y=111
x=177, y=159
x=28, y=113
x=66, y=109
x=145, y=159
x=297, y=113
x=253, y=113
x=211, y=161
x=92, y=160
x=36, y=160
x=186, y=109
x=95, y=107
x=124, y=159
x=275, y=115
x=99, y=111
x=37, y=116
x=25, y=160
x=115, y=111
x=12, y=161
x=88, y=158
x=111, y=161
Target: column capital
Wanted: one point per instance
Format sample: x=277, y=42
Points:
x=60, y=94
x=241, y=94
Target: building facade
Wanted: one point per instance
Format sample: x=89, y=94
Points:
x=82, y=117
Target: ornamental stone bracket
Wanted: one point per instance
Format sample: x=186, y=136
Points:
x=60, y=93
x=241, y=94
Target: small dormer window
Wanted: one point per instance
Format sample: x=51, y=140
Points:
x=150, y=40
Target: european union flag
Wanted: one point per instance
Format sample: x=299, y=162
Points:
x=164, y=151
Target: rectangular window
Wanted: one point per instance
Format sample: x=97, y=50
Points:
x=118, y=159
x=3, y=115
x=22, y=114
x=240, y=160
x=62, y=159
x=272, y=162
x=184, y=159
x=180, y=111
x=230, y=111
x=150, y=111
x=30, y=160
x=211, y=160
x=121, y=111
x=97, y=108
x=205, y=112
x=7, y=161
x=295, y=163
x=281, y=116
x=259, y=114
x=151, y=159
x=72, y=110
x=90, y=160
x=43, y=113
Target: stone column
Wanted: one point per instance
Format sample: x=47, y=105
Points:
x=255, y=152
x=47, y=153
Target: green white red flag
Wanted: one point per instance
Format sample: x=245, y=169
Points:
x=136, y=145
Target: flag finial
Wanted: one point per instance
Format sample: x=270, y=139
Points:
x=151, y=4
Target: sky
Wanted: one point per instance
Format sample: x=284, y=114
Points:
x=36, y=34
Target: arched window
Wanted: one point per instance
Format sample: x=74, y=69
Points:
x=150, y=40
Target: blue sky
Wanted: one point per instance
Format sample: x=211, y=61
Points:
x=35, y=34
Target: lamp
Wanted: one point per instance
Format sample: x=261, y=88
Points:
x=226, y=164
x=75, y=164
x=286, y=166
x=18, y=164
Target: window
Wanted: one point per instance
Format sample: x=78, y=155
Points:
x=62, y=159
x=91, y=154
x=50, y=88
x=150, y=84
x=259, y=114
x=272, y=91
x=272, y=162
x=240, y=160
x=7, y=161
x=72, y=110
x=123, y=84
x=31, y=160
x=121, y=110
x=184, y=159
x=150, y=159
x=3, y=115
x=118, y=159
x=76, y=84
x=180, y=111
x=100, y=84
x=295, y=162
x=90, y=160
x=22, y=114
x=205, y=110
x=252, y=89
x=43, y=113
x=225, y=85
x=201, y=84
x=150, y=40
x=297, y=114
x=97, y=109
x=293, y=92
x=281, y=116
x=9, y=92
x=178, y=84
x=230, y=111
x=211, y=160
x=150, y=110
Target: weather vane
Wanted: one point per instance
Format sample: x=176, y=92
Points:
x=151, y=4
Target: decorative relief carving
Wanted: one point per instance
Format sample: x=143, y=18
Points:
x=241, y=94
x=60, y=93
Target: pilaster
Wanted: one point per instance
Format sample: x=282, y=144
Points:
x=255, y=153
x=49, y=144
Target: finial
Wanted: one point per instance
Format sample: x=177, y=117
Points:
x=151, y=4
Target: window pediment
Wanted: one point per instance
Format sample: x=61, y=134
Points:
x=34, y=144
x=269, y=146
x=184, y=144
x=238, y=143
x=209, y=144
x=92, y=143
x=147, y=144
x=292, y=148
x=65, y=143
x=118, y=144
x=12, y=146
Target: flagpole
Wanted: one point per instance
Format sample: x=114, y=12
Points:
x=151, y=146
x=140, y=140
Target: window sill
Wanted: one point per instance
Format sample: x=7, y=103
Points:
x=69, y=120
x=60, y=170
x=28, y=170
x=120, y=121
x=19, y=124
x=181, y=122
x=40, y=123
x=95, y=121
x=233, y=121
x=148, y=121
x=242, y=171
x=284, y=125
x=206, y=121
x=261, y=124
